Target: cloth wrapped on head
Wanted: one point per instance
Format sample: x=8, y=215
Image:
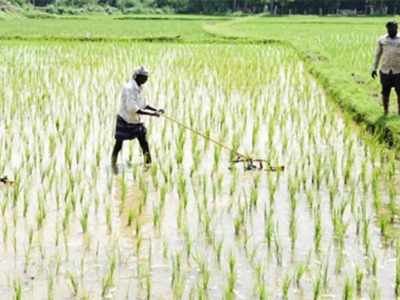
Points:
x=140, y=72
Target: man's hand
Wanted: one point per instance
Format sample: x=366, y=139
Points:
x=161, y=111
x=374, y=74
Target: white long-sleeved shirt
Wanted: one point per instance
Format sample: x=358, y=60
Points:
x=131, y=101
x=388, y=53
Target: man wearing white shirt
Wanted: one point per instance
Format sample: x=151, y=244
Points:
x=129, y=125
x=388, y=51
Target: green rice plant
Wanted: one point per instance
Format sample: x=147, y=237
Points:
x=254, y=196
x=50, y=289
x=148, y=287
x=255, y=131
x=196, y=161
x=73, y=282
x=108, y=280
x=154, y=177
x=397, y=276
x=278, y=249
x=5, y=234
x=374, y=292
x=339, y=227
x=269, y=226
x=123, y=191
x=3, y=205
x=216, y=159
x=67, y=213
x=138, y=243
x=317, y=289
x=285, y=286
x=310, y=199
x=163, y=193
x=348, y=171
x=339, y=261
x=317, y=232
x=299, y=273
x=293, y=230
x=26, y=207
x=262, y=292
x=365, y=236
x=359, y=280
x=40, y=214
x=325, y=272
x=392, y=201
x=205, y=277
x=348, y=291
x=220, y=180
x=182, y=192
x=177, y=280
x=383, y=225
x=333, y=190
x=272, y=188
x=165, y=249
x=229, y=291
x=156, y=218
x=179, y=149
x=84, y=219
x=376, y=189
x=108, y=218
x=131, y=217
x=219, y=247
x=373, y=265
x=17, y=289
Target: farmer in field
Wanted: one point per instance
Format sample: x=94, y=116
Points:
x=389, y=52
x=129, y=125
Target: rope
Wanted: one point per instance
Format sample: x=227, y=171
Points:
x=246, y=157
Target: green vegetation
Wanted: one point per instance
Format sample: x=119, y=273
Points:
x=338, y=52
x=104, y=28
x=343, y=7
x=194, y=226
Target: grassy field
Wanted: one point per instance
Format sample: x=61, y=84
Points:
x=109, y=27
x=338, y=51
x=194, y=225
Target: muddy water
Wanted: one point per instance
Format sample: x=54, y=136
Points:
x=191, y=222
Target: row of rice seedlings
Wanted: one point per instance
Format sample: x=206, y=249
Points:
x=282, y=135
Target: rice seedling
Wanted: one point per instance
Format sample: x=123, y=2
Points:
x=348, y=292
x=84, y=219
x=397, y=277
x=317, y=289
x=73, y=282
x=108, y=280
x=285, y=286
x=50, y=289
x=300, y=270
x=229, y=290
x=359, y=280
x=17, y=290
x=317, y=232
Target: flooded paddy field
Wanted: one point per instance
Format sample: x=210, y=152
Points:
x=192, y=226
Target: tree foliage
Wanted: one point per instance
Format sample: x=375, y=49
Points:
x=246, y=6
